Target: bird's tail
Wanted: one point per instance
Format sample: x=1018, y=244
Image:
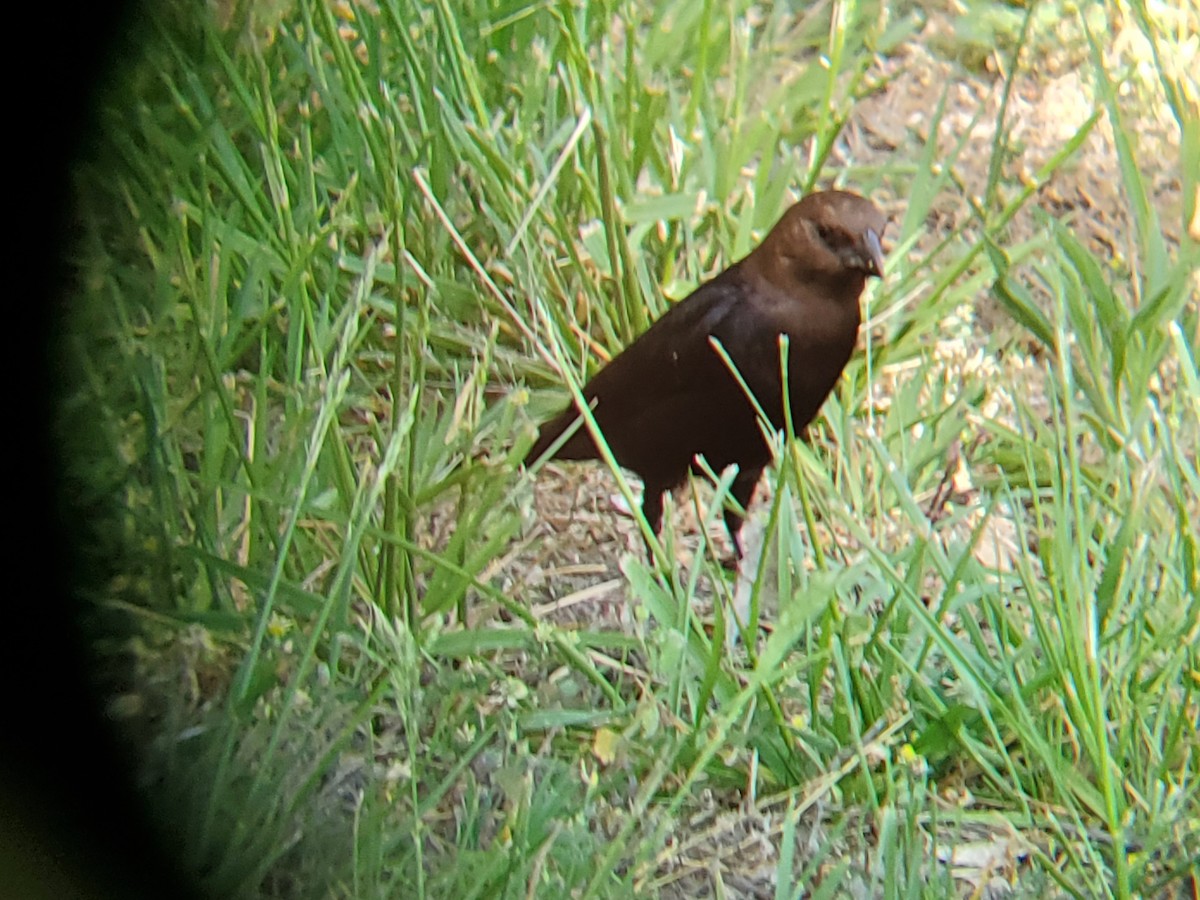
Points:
x=578, y=446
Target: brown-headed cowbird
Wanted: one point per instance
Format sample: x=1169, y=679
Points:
x=669, y=397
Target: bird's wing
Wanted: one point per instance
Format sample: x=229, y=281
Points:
x=656, y=375
x=674, y=353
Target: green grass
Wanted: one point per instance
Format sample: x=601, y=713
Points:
x=338, y=260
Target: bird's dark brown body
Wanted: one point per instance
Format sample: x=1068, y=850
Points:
x=669, y=397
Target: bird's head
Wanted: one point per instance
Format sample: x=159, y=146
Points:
x=826, y=235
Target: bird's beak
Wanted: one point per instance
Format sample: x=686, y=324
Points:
x=874, y=252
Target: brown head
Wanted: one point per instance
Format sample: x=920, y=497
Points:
x=828, y=235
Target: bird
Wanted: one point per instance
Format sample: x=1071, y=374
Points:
x=669, y=397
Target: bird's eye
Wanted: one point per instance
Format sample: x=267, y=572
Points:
x=825, y=233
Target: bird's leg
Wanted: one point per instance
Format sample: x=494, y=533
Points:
x=652, y=509
x=742, y=490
